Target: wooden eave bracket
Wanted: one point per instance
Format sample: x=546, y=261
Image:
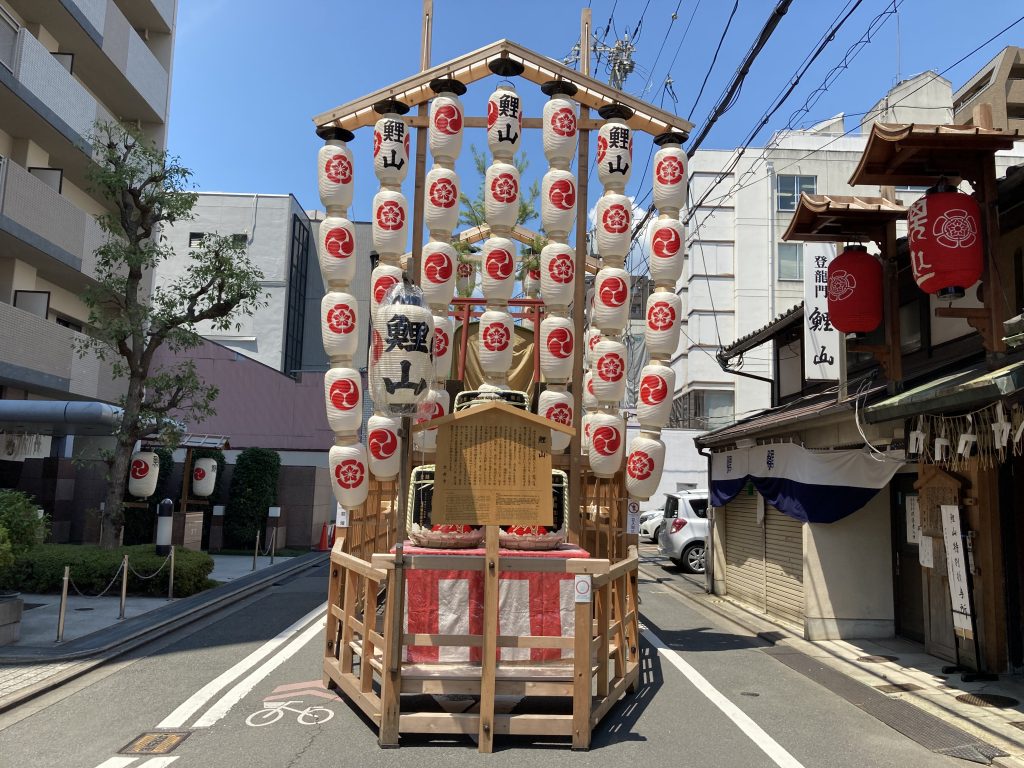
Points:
x=882, y=353
x=980, y=319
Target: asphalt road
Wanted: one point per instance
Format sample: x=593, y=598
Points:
x=709, y=697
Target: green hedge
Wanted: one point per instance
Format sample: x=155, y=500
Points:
x=41, y=569
x=253, y=490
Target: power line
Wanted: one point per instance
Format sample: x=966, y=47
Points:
x=714, y=58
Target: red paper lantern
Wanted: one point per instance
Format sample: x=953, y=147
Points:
x=946, y=248
x=855, y=291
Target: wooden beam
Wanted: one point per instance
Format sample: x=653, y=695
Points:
x=488, y=664
x=419, y=121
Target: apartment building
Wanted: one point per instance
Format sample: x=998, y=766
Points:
x=1000, y=83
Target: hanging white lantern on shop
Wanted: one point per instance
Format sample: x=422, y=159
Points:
x=670, y=174
x=501, y=195
x=349, y=474
x=383, y=278
x=558, y=203
x=497, y=273
x=400, y=379
x=390, y=143
x=446, y=120
x=142, y=474
x=556, y=405
x=609, y=371
x=667, y=249
x=497, y=342
x=560, y=123
x=437, y=273
x=654, y=395
x=606, y=445
x=611, y=299
x=613, y=217
x=389, y=224
x=615, y=147
x=339, y=324
x=504, y=122
x=204, y=477
x=662, y=324
x=382, y=446
x=444, y=334
x=343, y=391
x=336, y=248
x=556, y=347
x=436, y=406
x=334, y=167
x=441, y=201
x=644, y=466
x=557, y=274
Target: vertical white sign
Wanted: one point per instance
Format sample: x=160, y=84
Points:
x=956, y=568
x=633, y=517
x=926, y=552
x=913, y=520
x=341, y=517
x=821, y=340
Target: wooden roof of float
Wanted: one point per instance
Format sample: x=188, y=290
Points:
x=838, y=218
x=470, y=414
x=471, y=67
x=520, y=233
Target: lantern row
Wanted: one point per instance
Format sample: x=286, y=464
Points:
x=144, y=471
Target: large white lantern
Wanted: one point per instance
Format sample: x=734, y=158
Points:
x=585, y=434
x=334, y=168
x=504, y=122
x=401, y=377
x=589, y=398
x=339, y=324
x=437, y=405
x=613, y=216
x=349, y=474
x=391, y=144
x=444, y=337
x=557, y=273
x=609, y=371
x=498, y=274
x=670, y=174
x=558, y=203
x=654, y=395
x=437, y=273
x=389, y=224
x=142, y=474
x=497, y=342
x=383, y=278
x=606, y=445
x=592, y=337
x=336, y=247
x=667, y=249
x=501, y=195
x=556, y=347
x=446, y=120
x=343, y=392
x=615, y=147
x=465, y=278
x=382, y=444
x=556, y=405
x=559, y=125
x=644, y=466
x=441, y=201
x=662, y=327
x=611, y=299
x=204, y=477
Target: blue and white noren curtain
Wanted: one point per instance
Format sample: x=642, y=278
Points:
x=810, y=486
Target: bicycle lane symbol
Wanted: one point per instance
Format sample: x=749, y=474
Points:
x=279, y=702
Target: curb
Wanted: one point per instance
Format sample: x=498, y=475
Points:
x=93, y=656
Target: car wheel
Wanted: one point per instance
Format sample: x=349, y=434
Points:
x=655, y=535
x=693, y=557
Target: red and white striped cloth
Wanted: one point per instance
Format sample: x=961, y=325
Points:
x=452, y=603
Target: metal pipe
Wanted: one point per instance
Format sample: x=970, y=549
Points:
x=256, y=552
x=63, y=604
x=124, y=586
x=170, y=581
x=709, y=544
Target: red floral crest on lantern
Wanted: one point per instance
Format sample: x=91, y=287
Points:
x=841, y=285
x=496, y=337
x=661, y=316
x=443, y=193
x=341, y=319
x=350, y=473
x=615, y=219
x=955, y=229
x=505, y=188
x=563, y=122
x=560, y=412
x=669, y=170
x=639, y=465
x=561, y=268
x=338, y=169
x=610, y=367
x=390, y=216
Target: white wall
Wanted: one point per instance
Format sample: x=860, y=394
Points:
x=684, y=466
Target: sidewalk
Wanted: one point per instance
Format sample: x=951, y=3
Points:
x=93, y=633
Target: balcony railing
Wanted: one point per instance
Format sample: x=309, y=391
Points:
x=124, y=47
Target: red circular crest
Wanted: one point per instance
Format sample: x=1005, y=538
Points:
x=344, y=394
x=441, y=341
x=606, y=440
x=390, y=216
x=560, y=412
x=639, y=465
x=140, y=469
x=443, y=194
x=340, y=243
x=405, y=144
x=560, y=343
x=563, y=122
x=377, y=347
x=492, y=113
x=338, y=169
x=615, y=219
x=505, y=188
x=438, y=267
x=496, y=337
x=448, y=120
x=653, y=389
x=341, y=319
x=562, y=194
x=661, y=316
x=614, y=292
x=437, y=410
x=198, y=474
x=500, y=264
x=350, y=473
x=382, y=443
x=382, y=286
x=610, y=367
x=377, y=139
x=665, y=242
x=465, y=269
x=561, y=268
x=602, y=148
x=669, y=170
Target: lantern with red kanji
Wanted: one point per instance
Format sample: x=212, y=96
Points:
x=855, y=291
x=946, y=248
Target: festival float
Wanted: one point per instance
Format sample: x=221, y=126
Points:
x=488, y=556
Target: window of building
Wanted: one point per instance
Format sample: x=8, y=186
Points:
x=703, y=409
x=64, y=322
x=296, y=311
x=195, y=239
x=240, y=239
x=791, y=261
x=66, y=60
x=52, y=177
x=789, y=188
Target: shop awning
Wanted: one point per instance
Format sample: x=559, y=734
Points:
x=962, y=391
x=810, y=486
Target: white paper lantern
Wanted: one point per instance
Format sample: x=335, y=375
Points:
x=614, y=154
x=334, y=174
x=556, y=347
x=592, y=337
x=611, y=299
x=437, y=405
x=609, y=369
x=339, y=324
x=401, y=377
x=667, y=248
x=437, y=273
x=349, y=474
x=390, y=150
x=557, y=274
x=343, y=392
x=204, y=477
x=501, y=195
x=531, y=287
x=382, y=444
x=558, y=203
x=444, y=337
x=497, y=342
x=670, y=178
x=585, y=434
x=142, y=474
x=441, y=201
x=644, y=466
x=498, y=274
x=390, y=223
x=465, y=278
x=446, y=123
x=589, y=398
x=336, y=247
x=383, y=278
x=663, y=316
x=556, y=405
x=613, y=216
x=606, y=446
x=504, y=122
x=654, y=395
x=559, y=131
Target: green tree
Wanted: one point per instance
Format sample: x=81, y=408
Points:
x=253, y=491
x=473, y=210
x=147, y=189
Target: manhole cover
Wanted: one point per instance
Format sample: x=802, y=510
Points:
x=82, y=610
x=876, y=659
x=988, y=700
x=155, y=743
x=899, y=687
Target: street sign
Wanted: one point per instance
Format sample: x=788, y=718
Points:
x=583, y=588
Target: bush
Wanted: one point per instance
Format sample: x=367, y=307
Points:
x=41, y=569
x=21, y=528
x=253, y=489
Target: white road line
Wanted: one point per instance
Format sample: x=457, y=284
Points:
x=158, y=762
x=199, y=699
x=117, y=762
x=239, y=691
x=752, y=730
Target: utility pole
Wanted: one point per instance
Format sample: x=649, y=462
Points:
x=620, y=60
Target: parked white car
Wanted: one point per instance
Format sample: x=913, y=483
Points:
x=684, y=529
x=650, y=524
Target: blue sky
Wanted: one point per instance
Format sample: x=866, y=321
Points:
x=250, y=74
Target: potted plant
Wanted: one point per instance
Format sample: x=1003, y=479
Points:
x=22, y=526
